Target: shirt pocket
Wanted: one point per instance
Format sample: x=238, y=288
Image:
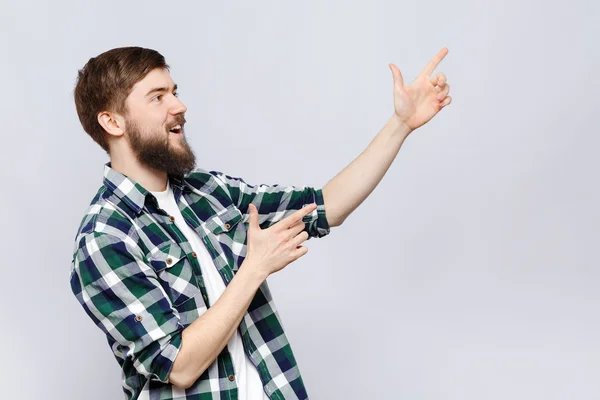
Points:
x=174, y=272
x=228, y=236
x=224, y=221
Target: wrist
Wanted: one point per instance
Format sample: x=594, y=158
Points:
x=398, y=126
x=250, y=271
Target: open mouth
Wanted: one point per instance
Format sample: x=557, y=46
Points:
x=177, y=129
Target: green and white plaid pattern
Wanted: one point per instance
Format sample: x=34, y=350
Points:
x=138, y=278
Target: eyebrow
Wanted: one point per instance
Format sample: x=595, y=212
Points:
x=160, y=89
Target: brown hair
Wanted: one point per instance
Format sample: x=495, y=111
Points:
x=106, y=80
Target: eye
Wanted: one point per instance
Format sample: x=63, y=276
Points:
x=157, y=97
x=176, y=94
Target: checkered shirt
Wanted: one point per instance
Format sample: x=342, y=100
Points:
x=137, y=277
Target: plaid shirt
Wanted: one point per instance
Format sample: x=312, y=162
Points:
x=138, y=279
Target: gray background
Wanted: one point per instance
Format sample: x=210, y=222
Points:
x=471, y=272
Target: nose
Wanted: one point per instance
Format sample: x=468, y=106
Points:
x=177, y=106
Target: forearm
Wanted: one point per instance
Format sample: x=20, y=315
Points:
x=349, y=188
x=205, y=338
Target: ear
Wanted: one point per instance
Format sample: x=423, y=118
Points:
x=112, y=123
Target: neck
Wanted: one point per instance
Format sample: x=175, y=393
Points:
x=150, y=178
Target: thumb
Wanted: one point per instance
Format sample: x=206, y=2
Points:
x=253, y=218
x=397, y=75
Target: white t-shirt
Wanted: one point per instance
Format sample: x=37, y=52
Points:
x=249, y=384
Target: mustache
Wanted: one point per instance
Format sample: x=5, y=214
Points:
x=179, y=120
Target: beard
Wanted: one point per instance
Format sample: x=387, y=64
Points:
x=156, y=149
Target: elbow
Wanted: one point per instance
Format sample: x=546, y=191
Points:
x=183, y=377
x=179, y=375
x=183, y=380
x=333, y=217
x=188, y=366
x=334, y=222
x=177, y=378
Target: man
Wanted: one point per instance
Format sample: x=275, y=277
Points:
x=170, y=261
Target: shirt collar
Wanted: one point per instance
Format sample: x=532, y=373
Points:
x=130, y=192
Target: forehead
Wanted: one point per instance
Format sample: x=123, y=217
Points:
x=157, y=78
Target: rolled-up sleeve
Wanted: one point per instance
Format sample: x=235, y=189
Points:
x=275, y=202
x=121, y=293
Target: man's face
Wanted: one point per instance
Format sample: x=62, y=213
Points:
x=154, y=125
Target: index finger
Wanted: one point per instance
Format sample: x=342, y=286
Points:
x=297, y=216
x=434, y=62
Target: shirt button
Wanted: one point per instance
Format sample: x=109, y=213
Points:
x=227, y=226
x=172, y=218
x=138, y=318
x=205, y=299
x=169, y=260
x=231, y=377
x=194, y=254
